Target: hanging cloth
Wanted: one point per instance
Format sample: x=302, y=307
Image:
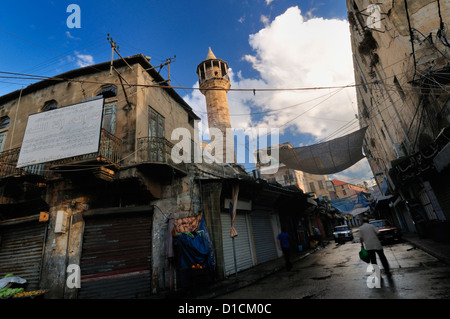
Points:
x=326, y=158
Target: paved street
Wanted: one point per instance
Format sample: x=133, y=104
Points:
x=336, y=272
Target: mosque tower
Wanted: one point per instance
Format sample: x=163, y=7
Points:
x=214, y=85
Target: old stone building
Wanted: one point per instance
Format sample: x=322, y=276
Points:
x=103, y=204
x=401, y=61
x=121, y=215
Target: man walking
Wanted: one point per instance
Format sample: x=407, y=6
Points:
x=368, y=236
x=283, y=244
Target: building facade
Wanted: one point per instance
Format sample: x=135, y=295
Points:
x=344, y=189
x=109, y=214
x=87, y=210
x=401, y=62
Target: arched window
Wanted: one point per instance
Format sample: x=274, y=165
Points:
x=49, y=105
x=108, y=91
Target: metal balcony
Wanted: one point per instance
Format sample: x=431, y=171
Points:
x=156, y=154
x=108, y=156
x=8, y=163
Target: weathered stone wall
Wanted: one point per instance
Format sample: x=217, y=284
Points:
x=393, y=106
x=70, y=93
x=64, y=249
x=78, y=193
x=182, y=198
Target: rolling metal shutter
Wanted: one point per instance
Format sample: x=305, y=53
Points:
x=116, y=257
x=244, y=256
x=21, y=249
x=263, y=237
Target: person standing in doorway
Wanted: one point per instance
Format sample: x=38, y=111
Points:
x=368, y=236
x=283, y=244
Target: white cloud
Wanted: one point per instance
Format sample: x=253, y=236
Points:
x=264, y=19
x=292, y=52
x=70, y=36
x=83, y=60
x=357, y=173
x=296, y=51
x=269, y=1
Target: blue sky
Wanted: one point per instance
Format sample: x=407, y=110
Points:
x=267, y=44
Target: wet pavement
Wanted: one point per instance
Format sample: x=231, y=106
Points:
x=420, y=269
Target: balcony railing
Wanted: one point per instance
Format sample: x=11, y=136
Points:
x=108, y=153
x=158, y=150
x=8, y=163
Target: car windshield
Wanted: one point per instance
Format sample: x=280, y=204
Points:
x=341, y=228
x=380, y=223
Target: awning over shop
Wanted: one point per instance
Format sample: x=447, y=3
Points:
x=381, y=198
x=345, y=205
x=359, y=210
x=326, y=158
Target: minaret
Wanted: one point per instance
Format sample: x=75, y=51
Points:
x=214, y=85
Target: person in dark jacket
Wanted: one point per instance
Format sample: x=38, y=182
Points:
x=284, y=244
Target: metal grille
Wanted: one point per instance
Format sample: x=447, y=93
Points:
x=109, y=152
x=244, y=255
x=159, y=150
x=116, y=257
x=263, y=237
x=8, y=163
x=21, y=250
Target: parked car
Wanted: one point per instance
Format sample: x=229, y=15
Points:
x=387, y=231
x=342, y=233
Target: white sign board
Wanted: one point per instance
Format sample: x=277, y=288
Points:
x=66, y=132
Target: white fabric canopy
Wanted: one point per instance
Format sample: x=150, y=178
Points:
x=358, y=211
x=326, y=158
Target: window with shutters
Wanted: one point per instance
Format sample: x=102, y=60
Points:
x=156, y=123
x=109, y=117
x=4, y=124
x=156, y=134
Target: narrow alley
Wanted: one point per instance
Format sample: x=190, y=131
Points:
x=336, y=272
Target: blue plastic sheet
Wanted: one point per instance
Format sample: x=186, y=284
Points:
x=195, y=258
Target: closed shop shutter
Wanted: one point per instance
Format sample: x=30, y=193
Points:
x=21, y=250
x=116, y=257
x=244, y=256
x=263, y=237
